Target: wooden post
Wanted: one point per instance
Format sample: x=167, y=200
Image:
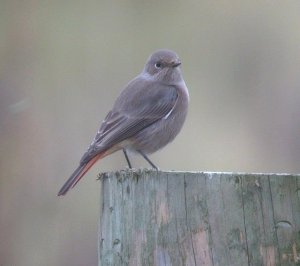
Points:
x=196, y=218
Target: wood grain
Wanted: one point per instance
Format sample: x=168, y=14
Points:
x=195, y=218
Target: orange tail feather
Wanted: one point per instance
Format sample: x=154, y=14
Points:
x=78, y=174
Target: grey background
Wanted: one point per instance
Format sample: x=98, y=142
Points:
x=62, y=64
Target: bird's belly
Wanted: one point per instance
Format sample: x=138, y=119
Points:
x=158, y=134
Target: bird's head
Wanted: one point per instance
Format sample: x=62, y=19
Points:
x=163, y=65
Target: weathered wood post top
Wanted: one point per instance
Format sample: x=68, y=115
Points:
x=196, y=218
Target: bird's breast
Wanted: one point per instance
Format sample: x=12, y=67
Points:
x=163, y=131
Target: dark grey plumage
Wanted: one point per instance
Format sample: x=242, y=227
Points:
x=147, y=115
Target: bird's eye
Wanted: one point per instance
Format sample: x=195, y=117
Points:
x=158, y=65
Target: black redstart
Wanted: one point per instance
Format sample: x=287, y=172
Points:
x=147, y=115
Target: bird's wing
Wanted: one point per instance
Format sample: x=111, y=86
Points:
x=132, y=114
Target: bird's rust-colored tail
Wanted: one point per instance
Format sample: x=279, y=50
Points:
x=78, y=174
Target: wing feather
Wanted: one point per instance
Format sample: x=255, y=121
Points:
x=132, y=112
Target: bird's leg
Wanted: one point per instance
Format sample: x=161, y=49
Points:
x=148, y=160
x=127, y=158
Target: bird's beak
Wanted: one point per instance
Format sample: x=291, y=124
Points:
x=175, y=63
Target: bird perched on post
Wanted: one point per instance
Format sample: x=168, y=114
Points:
x=146, y=116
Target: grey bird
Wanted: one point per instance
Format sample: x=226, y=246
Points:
x=146, y=116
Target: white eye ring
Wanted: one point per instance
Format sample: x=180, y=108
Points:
x=158, y=65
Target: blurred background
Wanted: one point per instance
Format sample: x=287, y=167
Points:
x=62, y=64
